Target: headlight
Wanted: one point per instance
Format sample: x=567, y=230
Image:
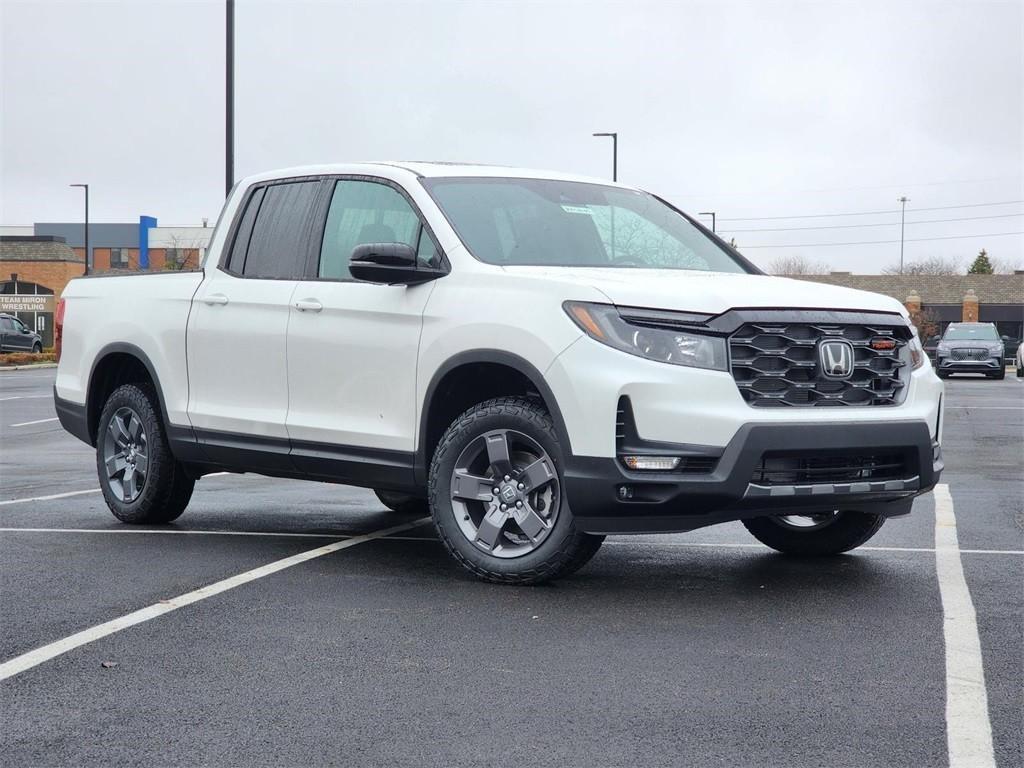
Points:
x=917, y=355
x=942, y=349
x=657, y=340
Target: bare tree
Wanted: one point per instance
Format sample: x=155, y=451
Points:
x=926, y=322
x=797, y=265
x=183, y=253
x=1004, y=266
x=933, y=265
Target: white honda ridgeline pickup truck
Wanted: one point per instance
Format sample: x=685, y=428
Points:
x=535, y=358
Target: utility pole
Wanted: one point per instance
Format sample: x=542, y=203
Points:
x=229, y=96
x=712, y=215
x=86, y=188
x=615, y=153
x=903, y=213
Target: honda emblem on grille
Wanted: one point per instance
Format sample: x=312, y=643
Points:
x=835, y=356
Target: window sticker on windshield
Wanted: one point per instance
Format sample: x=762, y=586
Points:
x=578, y=209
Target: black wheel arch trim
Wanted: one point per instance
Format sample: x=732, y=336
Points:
x=498, y=357
x=177, y=435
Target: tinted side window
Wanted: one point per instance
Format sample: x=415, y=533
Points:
x=236, y=261
x=6, y=325
x=364, y=212
x=280, y=234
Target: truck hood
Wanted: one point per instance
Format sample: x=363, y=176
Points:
x=709, y=292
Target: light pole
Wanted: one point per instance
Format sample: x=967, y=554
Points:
x=712, y=215
x=86, y=188
x=229, y=99
x=615, y=153
x=903, y=213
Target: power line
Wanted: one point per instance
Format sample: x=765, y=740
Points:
x=887, y=224
x=881, y=242
x=868, y=213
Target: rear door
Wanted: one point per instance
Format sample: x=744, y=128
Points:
x=237, y=331
x=352, y=346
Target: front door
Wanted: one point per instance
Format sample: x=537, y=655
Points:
x=352, y=346
x=237, y=330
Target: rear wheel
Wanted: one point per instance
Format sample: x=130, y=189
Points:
x=403, y=503
x=825, y=533
x=141, y=481
x=496, y=495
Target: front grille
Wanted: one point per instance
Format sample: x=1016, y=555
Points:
x=777, y=364
x=781, y=468
x=969, y=354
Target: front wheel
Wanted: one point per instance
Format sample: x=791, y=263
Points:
x=37, y=348
x=1000, y=375
x=825, y=533
x=496, y=494
x=142, y=482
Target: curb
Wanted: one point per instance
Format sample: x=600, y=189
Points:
x=27, y=366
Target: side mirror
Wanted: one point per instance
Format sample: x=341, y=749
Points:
x=389, y=263
x=1007, y=338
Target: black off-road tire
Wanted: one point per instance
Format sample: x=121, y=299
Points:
x=403, y=503
x=848, y=531
x=564, y=551
x=167, y=488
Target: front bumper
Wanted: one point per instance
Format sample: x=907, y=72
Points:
x=672, y=502
x=948, y=365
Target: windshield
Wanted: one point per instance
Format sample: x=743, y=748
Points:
x=571, y=224
x=970, y=333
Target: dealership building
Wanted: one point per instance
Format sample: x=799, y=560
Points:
x=946, y=299
x=37, y=261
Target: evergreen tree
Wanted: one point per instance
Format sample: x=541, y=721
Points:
x=981, y=265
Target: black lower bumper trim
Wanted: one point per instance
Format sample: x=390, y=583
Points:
x=73, y=417
x=662, y=502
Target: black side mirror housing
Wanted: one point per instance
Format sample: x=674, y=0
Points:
x=390, y=263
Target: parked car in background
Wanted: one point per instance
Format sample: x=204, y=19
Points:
x=15, y=336
x=971, y=348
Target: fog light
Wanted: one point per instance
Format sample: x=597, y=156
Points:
x=651, y=463
x=625, y=493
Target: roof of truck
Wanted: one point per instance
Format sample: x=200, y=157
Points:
x=434, y=169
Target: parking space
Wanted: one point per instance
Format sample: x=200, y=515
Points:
x=695, y=649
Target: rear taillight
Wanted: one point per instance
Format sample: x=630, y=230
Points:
x=58, y=328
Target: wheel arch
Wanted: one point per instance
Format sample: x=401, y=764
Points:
x=116, y=364
x=480, y=366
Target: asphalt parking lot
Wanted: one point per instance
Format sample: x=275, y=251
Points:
x=700, y=649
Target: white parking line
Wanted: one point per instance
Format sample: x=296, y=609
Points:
x=968, y=729
x=272, y=534
x=37, y=421
x=33, y=658
x=25, y=397
x=48, y=498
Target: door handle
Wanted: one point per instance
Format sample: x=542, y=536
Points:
x=215, y=298
x=308, y=305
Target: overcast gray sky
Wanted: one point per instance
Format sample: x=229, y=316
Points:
x=751, y=109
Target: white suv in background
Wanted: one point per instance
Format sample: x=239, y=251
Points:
x=537, y=359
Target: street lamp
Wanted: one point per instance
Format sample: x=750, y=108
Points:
x=903, y=213
x=229, y=99
x=86, y=188
x=615, y=153
x=712, y=215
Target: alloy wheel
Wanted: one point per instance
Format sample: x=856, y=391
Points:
x=126, y=455
x=505, y=493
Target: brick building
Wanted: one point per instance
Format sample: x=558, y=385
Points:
x=946, y=299
x=33, y=272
